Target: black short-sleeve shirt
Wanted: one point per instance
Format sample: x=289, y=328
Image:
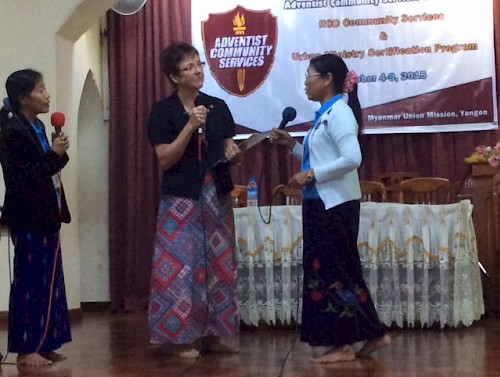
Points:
x=184, y=179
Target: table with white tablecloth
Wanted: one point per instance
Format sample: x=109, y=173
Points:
x=420, y=263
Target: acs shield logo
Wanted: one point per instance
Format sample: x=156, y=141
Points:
x=240, y=47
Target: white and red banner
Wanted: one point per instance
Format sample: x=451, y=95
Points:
x=424, y=65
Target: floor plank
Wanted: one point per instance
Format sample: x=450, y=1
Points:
x=112, y=345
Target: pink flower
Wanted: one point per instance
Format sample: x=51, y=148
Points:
x=494, y=161
x=316, y=264
x=485, y=154
x=316, y=295
x=481, y=149
x=362, y=297
x=351, y=79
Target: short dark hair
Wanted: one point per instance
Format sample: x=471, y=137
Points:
x=20, y=84
x=172, y=55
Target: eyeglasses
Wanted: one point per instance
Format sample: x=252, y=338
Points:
x=308, y=75
x=192, y=66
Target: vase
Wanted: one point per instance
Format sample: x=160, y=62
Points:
x=484, y=169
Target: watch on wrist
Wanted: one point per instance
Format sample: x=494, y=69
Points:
x=310, y=176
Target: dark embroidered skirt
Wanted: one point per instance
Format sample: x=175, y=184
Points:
x=337, y=307
x=38, y=311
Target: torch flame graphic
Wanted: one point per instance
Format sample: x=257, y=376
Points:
x=239, y=28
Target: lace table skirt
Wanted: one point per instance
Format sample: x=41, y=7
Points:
x=420, y=263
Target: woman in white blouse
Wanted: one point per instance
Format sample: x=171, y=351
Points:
x=337, y=307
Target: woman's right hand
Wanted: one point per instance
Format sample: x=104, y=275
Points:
x=281, y=137
x=60, y=144
x=197, y=117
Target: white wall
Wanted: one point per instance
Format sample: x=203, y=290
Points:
x=93, y=139
x=60, y=38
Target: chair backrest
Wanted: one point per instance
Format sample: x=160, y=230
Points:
x=239, y=195
x=372, y=191
x=462, y=189
x=284, y=194
x=425, y=190
x=391, y=182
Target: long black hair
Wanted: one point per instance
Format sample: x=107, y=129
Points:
x=19, y=84
x=335, y=65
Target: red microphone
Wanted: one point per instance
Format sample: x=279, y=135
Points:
x=57, y=120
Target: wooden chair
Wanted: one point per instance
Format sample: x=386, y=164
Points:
x=462, y=189
x=425, y=190
x=391, y=182
x=239, y=195
x=284, y=194
x=372, y=191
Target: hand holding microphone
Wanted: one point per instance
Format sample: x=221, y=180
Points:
x=279, y=135
x=60, y=141
x=198, y=117
x=200, y=113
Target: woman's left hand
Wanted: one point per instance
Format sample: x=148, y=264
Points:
x=299, y=180
x=232, y=152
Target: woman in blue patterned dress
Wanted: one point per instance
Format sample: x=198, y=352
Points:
x=34, y=208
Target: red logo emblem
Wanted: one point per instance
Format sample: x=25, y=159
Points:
x=240, y=46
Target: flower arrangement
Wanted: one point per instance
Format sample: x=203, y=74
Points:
x=485, y=154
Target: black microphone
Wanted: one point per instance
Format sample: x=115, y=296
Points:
x=200, y=101
x=289, y=114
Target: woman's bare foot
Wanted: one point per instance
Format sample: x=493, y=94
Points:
x=335, y=355
x=184, y=351
x=32, y=360
x=373, y=345
x=214, y=344
x=53, y=356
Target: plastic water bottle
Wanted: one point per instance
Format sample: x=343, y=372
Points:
x=252, y=194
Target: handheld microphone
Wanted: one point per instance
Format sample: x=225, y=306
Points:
x=289, y=114
x=57, y=120
x=198, y=101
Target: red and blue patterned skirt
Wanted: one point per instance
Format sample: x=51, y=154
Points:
x=193, y=282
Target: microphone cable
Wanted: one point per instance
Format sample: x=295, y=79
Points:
x=51, y=294
x=3, y=359
x=203, y=229
x=267, y=222
x=54, y=268
x=296, y=329
x=265, y=157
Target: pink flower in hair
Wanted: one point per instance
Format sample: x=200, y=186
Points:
x=351, y=79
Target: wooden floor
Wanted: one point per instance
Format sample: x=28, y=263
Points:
x=107, y=345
